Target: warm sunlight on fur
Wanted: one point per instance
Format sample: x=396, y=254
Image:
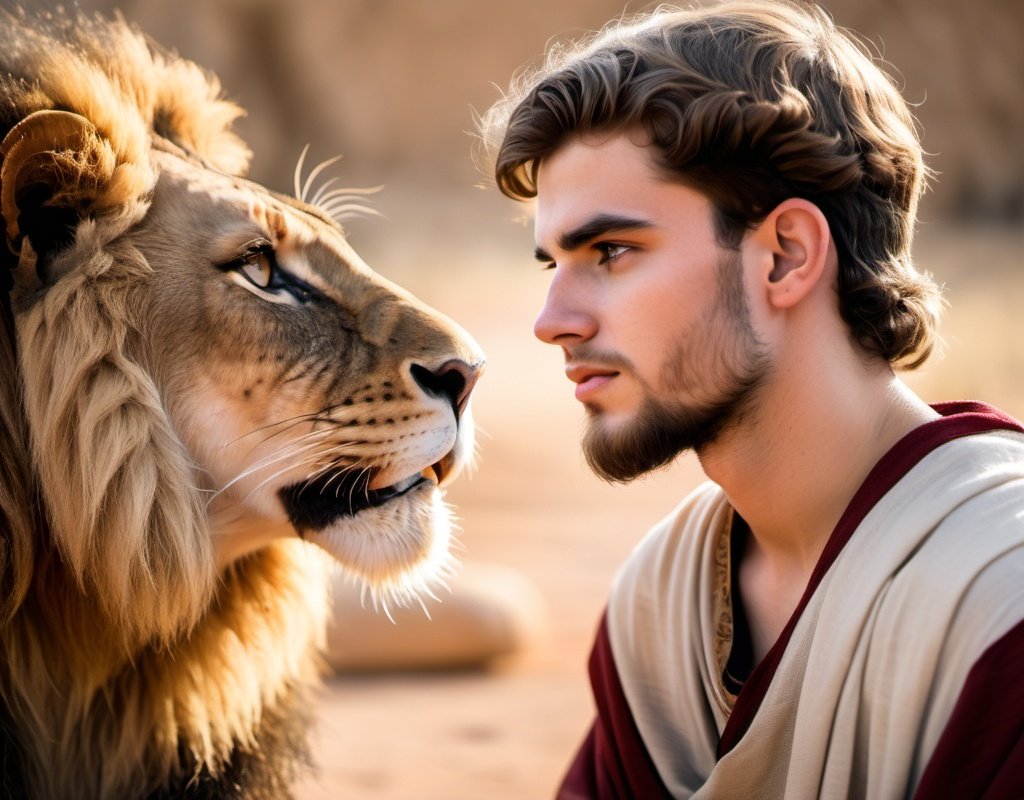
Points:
x=197, y=375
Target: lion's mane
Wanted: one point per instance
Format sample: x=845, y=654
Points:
x=105, y=555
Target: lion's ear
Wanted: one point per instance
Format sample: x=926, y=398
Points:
x=54, y=165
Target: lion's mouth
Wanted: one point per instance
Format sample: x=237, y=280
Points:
x=316, y=504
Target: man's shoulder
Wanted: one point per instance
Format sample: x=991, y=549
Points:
x=953, y=518
x=954, y=529
x=666, y=563
x=975, y=551
x=996, y=446
x=701, y=515
x=973, y=486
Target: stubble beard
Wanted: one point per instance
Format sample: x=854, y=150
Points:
x=721, y=352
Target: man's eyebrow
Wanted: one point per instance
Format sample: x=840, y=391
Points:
x=601, y=225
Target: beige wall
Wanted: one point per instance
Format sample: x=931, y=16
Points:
x=391, y=83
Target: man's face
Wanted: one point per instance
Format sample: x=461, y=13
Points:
x=649, y=310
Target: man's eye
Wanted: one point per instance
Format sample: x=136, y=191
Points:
x=258, y=269
x=609, y=251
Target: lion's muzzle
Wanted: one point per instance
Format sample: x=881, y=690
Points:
x=328, y=498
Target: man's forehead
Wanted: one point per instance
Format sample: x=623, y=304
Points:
x=611, y=177
x=579, y=155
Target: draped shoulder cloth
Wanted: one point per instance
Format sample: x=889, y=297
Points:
x=897, y=675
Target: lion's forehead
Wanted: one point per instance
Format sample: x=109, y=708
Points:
x=216, y=218
x=228, y=212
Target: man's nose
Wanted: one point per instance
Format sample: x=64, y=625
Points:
x=567, y=312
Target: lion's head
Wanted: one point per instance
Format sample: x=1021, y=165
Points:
x=202, y=365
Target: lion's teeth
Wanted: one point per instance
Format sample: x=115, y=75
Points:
x=430, y=474
x=402, y=485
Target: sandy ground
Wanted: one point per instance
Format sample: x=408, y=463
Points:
x=509, y=731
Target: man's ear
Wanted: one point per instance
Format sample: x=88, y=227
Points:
x=796, y=236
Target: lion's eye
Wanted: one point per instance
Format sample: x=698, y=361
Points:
x=258, y=269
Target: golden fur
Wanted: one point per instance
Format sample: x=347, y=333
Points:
x=190, y=365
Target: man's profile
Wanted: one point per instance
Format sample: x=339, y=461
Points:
x=726, y=198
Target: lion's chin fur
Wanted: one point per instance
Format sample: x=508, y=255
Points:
x=400, y=550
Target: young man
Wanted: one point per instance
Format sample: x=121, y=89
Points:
x=726, y=199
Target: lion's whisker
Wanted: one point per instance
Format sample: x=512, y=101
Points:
x=322, y=192
x=302, y=444
x=298, y=172
x=316, y=171
x=273, y=455
x=334, y=464
x=313, y=416
x=341, y=471
x=315, y=201
x=290, y=421
x=348, y=210
x=365, y=485
x=289, y=451
x=346, y=193
x=303, y=437
x=321, y=433
x=309, y=459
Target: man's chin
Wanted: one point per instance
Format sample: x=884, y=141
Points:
x=619, y=450
x=609, y=423
x=621, y=447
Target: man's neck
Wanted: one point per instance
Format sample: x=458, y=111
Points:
x=791, y=469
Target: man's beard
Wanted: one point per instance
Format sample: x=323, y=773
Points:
x=722, y=352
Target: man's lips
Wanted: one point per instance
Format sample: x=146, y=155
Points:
x=589, y=379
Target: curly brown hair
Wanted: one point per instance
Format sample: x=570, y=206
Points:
x=751, y=103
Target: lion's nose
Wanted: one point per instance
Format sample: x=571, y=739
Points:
x=453, y=380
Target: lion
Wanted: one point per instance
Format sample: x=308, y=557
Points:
x=203, y=391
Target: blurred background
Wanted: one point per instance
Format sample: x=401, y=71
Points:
x=393, y=86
